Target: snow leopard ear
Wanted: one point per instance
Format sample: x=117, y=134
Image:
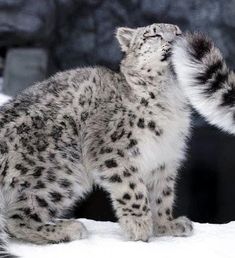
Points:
x=124, y=36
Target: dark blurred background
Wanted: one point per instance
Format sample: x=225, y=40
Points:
x=41, y=37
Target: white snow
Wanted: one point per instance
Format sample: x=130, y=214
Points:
x=3, y=98
x=106, y=240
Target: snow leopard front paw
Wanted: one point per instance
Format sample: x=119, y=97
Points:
x=137, y=228
x=181, y=226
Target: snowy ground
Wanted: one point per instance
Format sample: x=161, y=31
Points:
x=3, y=98
x=106, y=240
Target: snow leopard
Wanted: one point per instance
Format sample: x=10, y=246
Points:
x=124, y=131
x=205, y=79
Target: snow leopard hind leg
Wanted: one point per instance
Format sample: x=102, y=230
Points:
x=41, y=200
x=53, y=232
x=4, y=250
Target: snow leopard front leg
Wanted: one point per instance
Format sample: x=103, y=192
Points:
x=128, y=193
x=161, y=189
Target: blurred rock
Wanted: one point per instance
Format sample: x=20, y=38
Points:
x=26, y=21
x=23, y=68
x=11, y=3
x=149, y=7
x=228, y=12
x=81, y=33
x=88, y=35
x=1, y=66
x=32, y=22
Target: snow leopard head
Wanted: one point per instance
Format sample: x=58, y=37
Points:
x=146, y=49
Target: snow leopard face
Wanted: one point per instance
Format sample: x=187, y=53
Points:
x=146, y=47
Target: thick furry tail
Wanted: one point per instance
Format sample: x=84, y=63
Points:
x=205, y=79
x=4, y=253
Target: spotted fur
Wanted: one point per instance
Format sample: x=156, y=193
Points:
x=125, y=132
x=206, y=80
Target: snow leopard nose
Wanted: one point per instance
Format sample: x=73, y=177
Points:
x=169, y=37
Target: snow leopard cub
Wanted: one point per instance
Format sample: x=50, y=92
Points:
x=125, y=132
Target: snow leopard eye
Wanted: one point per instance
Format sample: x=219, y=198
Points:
x=157, y=35
x=154, y=36
x=178, y=34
